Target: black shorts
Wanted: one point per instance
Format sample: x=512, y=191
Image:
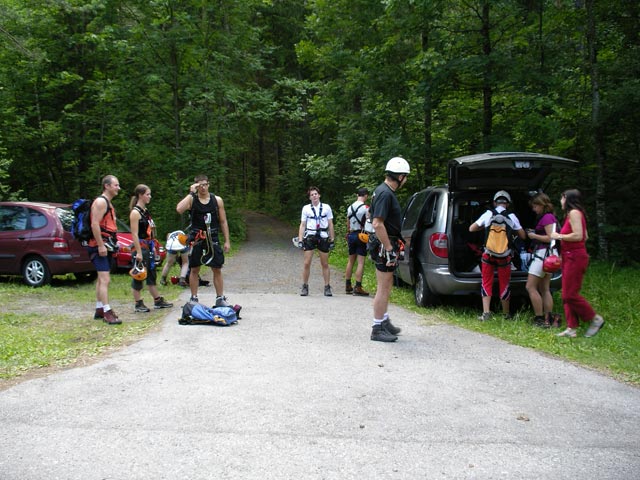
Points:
x=313, y=242
x=201, y=254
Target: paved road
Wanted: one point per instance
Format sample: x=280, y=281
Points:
x=298, y=391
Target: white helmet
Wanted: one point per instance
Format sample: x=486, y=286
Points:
x=502, y=194
x=176, y=241
x=397, y=165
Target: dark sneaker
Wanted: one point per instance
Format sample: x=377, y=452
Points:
x=596, y=325
x=348, y=289
x=99, y=314
x=183, y=282
x=485, y=316
x=221, y=301
x=111, y=318
x=304, y=291
x=140, y=307
x=327, y=291
x=160, y=303
x=379, y=334
x=541, y=321
x=390, y=327
x=507, y=316
x=193, y=299
x=163, y=281
x=359, y=291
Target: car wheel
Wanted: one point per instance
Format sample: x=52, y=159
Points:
x=86, y=276
x=35, y=272
x=424, y=296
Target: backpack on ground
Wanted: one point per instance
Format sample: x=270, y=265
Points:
x=197, y=314
x=499, y=236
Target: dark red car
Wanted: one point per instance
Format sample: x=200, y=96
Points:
x=122, y=260
x=36, y=243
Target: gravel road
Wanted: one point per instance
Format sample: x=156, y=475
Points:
x=297, y=390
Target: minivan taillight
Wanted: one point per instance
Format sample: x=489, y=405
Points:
x=60, y=244
x=439, y=243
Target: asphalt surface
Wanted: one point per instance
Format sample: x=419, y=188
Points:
x=297, y=390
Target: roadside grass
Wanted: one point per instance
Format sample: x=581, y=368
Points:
x=53, y=326
x=613, y=292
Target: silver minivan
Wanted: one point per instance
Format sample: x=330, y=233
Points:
x=441, y=256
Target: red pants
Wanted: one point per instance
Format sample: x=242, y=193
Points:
x=488, y=266
x=576, y=307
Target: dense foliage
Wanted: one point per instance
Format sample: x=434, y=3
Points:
x=269, y=96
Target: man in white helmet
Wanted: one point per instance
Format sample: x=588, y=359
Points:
x=386, y=216
x=490, y=263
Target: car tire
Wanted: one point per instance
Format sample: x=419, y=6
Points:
x=35, y=272
x=423, y=295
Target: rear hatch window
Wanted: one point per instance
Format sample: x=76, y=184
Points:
x=504, y=170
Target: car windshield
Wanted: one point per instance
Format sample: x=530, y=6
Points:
x=122, y=226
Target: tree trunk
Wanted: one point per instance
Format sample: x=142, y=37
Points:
x=598, y=136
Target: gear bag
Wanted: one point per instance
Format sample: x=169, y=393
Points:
x=197, y=314
x=499, y=235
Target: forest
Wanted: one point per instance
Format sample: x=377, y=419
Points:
x=268, y=97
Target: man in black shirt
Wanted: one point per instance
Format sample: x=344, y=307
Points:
x=386, y=217
x=208, y=219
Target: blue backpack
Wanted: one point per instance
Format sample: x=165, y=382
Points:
x=197, y=314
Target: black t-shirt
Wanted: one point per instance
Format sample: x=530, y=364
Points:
x=385, y=205
x=199, y=212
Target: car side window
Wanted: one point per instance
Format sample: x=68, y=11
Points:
x=430, y=212
x=37, y=219
x=413, y=210
x=12, y=218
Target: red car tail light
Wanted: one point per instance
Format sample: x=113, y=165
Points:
x=60, y=245
x=439, y=243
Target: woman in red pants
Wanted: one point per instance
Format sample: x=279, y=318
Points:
x=575, y=260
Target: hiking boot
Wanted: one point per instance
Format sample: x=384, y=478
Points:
x=163, y=281
x=541, y=321
x=348, y=289
x=194, y=299
x=160, y=303
x=390, y=327
x=221, y=301
x=379, y=334
x=304, y=291
x=596, y=325
x=569, y=332
x=140, y=307
x=359, y=291
x=111, y=318
x=485, y=316
x=99, y=314
x=327, y=291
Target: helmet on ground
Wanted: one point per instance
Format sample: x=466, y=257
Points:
x=138, y=272
x=502, y=194
x=398, y=165
x=176, y=241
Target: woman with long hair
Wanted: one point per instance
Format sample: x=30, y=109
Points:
x=538, y=281
x=143, y=233
x=575, y=260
